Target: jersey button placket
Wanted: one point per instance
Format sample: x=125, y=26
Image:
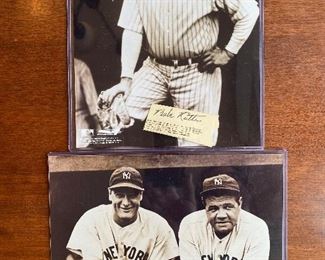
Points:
x=121, y=250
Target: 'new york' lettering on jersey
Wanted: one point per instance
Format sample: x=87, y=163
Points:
x=224, y=257
x=129, y=252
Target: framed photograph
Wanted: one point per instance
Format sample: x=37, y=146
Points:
x=168, y=205
x=162, y=73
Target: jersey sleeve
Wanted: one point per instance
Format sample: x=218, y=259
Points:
x=165, y=245
x=84, y=240
x=130, y=18
x=130, y=56
x=244, y=14
x=187, y=244
x=260, y=244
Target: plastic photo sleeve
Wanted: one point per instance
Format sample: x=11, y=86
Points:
x=184, y=74
x=208, y=205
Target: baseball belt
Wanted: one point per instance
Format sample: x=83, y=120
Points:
x=176, y=63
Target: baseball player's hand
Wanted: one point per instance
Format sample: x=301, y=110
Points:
x=214, y=58
x=106, y=97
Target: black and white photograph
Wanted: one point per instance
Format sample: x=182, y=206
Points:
x=189, y=206
x=201, y=56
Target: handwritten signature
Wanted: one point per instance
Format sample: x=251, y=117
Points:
x=183, y=115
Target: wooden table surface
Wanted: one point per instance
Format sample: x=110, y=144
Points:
x=33, y=121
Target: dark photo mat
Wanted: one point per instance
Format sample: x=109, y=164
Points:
x=241, y=108
x=172, y=192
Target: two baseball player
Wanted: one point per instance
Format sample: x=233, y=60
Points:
x=123, y=230
x=183, y=59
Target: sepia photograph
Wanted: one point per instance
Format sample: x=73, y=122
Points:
x=190, y=206
x=125, y=56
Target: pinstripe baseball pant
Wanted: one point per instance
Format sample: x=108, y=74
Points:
x=188, y=88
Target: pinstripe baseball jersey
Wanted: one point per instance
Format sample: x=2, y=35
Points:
x=97, y=237
x=249, y=240
x=178, y=29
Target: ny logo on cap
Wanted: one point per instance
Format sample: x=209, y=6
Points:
x=126, y=175
x=217, y=181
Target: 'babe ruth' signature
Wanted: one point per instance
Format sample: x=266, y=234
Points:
x=193, y=126
x=183, y=116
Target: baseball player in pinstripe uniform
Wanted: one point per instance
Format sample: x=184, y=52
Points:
x=122, y=230
x=223, y=231
x=183, y=61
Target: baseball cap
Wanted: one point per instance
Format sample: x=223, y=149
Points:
x=220, y=183
x=126, y=177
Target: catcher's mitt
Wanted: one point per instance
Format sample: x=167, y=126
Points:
x=113, y=117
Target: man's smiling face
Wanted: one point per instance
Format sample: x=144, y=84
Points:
x=222, y=213
x=126, y=202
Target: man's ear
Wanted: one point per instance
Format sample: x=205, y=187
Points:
x=240, y=200
x=109, y=194
x=203, y=201
x=141, y=195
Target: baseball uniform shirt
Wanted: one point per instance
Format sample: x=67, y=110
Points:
x=98, y=237
x=249, y=240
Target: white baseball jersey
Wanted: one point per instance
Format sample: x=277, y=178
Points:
x=178, y=29
x=249, y=240
x=97, y=237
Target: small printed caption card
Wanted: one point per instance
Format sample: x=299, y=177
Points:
x=181, y=123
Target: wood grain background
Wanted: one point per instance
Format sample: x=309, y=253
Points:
x=33, y=121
